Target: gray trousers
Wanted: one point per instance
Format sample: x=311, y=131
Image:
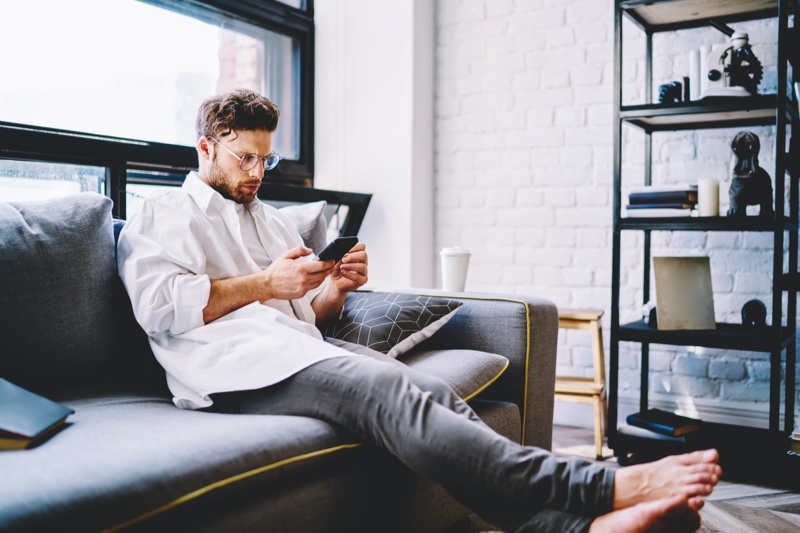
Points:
x=423, y=423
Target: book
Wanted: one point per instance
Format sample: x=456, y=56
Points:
x=659, y=212
x=26, y=418
x=664, y=188
x=663, y=197
x=664, y=422
x=634, y=431
x=794, y=445
x=666, y=205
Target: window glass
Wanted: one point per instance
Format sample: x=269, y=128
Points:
x=137, y=187
x=33, y=180
x=299, y=4
x=131, y=69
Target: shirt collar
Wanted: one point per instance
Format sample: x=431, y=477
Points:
x=205, y=196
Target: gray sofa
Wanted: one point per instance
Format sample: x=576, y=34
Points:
x=130, y=460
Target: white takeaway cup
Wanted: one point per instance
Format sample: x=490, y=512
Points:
x=455, y=262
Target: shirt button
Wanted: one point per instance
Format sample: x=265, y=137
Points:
x=235, y=222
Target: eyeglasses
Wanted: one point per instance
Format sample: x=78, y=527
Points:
x=248, y=161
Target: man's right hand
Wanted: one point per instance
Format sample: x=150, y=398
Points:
x=285, y=279
x=289, y=279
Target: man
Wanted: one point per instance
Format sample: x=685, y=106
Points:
x=230, y=297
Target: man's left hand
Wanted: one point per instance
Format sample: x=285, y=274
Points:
x=351, y=272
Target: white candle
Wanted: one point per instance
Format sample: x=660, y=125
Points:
x=708, y=198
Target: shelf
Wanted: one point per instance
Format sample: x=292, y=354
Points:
x=703, y=224
x=727, y=336
x=757, y=452
x=736, y=446
x=669, y=15
x=758, y=110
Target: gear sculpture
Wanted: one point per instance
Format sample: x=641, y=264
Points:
x=745, y=68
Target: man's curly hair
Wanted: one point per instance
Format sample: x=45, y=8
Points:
x=237, y=109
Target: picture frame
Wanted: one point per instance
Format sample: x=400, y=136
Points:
x=684, y=295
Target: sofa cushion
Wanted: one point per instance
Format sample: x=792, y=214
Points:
x=126, y=453
x=390, y=323
x=468, y=372
x=311, y=224
x=56, y=274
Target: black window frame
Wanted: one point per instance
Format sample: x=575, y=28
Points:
x=172, y=162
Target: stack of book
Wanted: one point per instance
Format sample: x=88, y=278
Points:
x=794, y=442
x=662, y=201
x=656, y=422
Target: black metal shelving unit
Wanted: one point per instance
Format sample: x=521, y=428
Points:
x=779, y=110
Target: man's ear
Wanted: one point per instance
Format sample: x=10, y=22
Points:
x=203, y=148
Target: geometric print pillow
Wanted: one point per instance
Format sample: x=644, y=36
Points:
x=390, y=323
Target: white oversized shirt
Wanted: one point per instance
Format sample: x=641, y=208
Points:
x=167, y=255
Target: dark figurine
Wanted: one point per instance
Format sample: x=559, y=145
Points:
x=754, y=314
x=750, y=184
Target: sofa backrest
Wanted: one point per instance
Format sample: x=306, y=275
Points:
x=65, y=317
x=57, y=319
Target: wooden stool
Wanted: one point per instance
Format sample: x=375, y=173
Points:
x=587, y=390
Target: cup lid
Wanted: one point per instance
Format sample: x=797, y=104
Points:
x=455, y=250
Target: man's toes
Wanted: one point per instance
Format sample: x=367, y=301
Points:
x=696, y=503
x=710, y=456
x=697, y=489
x=701, y=477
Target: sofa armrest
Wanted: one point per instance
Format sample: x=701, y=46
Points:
x=523, y=329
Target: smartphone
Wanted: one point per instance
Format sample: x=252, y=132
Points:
x=337, y=248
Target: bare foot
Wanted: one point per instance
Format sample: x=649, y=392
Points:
x=687, y=475
x=670, y=515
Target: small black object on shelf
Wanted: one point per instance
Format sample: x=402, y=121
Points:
x=670, y=93
x=754, y=314
x=652, y=320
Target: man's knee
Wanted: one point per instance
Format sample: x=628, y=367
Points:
x=381, y=377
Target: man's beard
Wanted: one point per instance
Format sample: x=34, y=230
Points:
x=223, y=186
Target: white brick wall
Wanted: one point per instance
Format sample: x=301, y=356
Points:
x=524, y=171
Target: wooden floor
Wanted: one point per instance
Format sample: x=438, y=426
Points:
x=732, y=508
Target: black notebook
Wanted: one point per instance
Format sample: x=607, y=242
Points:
x=658, y=197
x=664, y=422
x=27, y=418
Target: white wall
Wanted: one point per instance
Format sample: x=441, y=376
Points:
x=523, y=165
x=374, y=126
x=522, y=157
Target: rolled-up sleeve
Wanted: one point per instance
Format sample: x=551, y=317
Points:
x=159, y=264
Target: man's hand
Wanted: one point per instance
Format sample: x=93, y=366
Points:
x=348, y=275
x=288, y=279
x=351, y=272
x=285, y=279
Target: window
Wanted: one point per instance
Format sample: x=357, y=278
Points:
x=117, y=83
x=34, y=180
